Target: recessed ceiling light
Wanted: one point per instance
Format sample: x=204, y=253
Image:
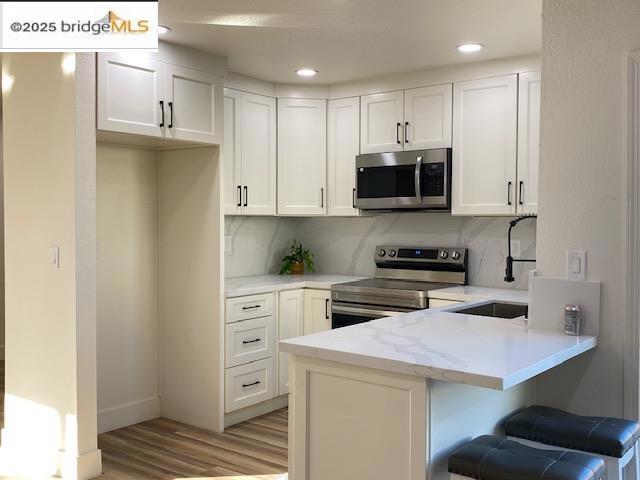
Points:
x=163, y=29
x=469, y=47
x=306, y=72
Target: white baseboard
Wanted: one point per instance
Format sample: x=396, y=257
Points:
x=255, y=410
x=83, y=467
x=128, y=414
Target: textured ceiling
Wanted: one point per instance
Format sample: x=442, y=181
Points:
x=350, y=39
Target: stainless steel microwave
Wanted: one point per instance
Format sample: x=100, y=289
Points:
x=419, y=180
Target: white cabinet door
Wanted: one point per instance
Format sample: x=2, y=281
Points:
x=291, y=324
x=528, y=141
x=130, y=89
x=191, y=104
x=427, y=117
x=302, y=156
x=343, y=144
x=484, y=146
x=232, y=187
x=258, y=151
x=317, y=311
x=381, y=127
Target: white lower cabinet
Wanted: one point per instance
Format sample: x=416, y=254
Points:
x=249, y=384
x=290, y=324
x=249, y=340
x=317, y=311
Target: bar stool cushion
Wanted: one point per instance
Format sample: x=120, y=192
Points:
x=493, y=458
x=602, y=435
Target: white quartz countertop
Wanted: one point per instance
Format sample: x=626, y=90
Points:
x=436, y=343
x=240, y=286
x=470, y=293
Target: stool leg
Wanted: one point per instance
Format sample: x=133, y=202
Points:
x=633, y=468
x=614, y=469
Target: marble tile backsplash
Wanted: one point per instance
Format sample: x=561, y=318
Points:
x=346, y=245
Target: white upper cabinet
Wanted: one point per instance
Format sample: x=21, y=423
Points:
x=343, y=134
x=131, y=94
x=191, y=97
x=230, y=151
x=382, y=122
x=484, y=146
x=427, y=117
x=302, y=158
x=258, y=145
x=143, y=96
x=528, y=141
x=249, y=154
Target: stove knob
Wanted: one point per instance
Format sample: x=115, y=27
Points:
x=392, y=253
x=444, y=255
x=455, y=255
x=382, y=252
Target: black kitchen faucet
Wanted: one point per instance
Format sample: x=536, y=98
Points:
x=509, y=270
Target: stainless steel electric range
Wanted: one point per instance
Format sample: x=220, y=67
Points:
x=403, y=278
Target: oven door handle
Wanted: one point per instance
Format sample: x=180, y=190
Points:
x=364, y=312
x=417, y=179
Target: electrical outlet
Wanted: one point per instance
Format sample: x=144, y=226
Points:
x=228, y=243
x=516, y=248
x=576, y=264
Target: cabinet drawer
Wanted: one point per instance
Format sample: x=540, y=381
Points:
x=249, y=384
x=251, y=306
x=249, y=340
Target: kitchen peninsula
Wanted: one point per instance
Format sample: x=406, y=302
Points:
x=391, y=398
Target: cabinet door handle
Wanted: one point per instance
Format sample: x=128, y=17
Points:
x=251, y=307
x=246, y=196
x=509, y=193
x=171, y=116
x=406, y=132
x=353, y=202
x=398, y=125
x=239, y=196
x=321, y=197
x=162, y=110
x=244, y=342
x=245, y=385
x=326, y=309
x=520, y=201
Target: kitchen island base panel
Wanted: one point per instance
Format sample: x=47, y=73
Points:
x=356, y=423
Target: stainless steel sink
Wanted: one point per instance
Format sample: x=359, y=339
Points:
x=495, y=309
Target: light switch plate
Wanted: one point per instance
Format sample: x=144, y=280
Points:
x=577, y=265
x=54, y=256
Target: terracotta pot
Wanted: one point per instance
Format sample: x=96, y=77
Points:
x=297, y=268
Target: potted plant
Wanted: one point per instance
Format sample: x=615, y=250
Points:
x=297, y=259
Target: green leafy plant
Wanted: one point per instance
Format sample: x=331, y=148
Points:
x=297, y=255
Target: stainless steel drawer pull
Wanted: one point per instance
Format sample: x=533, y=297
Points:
x=251, y=307
x=251, y=341
x=245, y=385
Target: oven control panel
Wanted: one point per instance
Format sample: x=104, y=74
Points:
x=408, y=254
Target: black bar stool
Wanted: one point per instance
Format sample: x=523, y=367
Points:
x=495, y=458
x=615, y=440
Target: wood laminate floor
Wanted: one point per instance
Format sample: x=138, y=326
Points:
x=163, y=449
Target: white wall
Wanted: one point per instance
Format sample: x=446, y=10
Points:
x=49, y=186
x=583, y=186
x=346, y=245
x=127, y=299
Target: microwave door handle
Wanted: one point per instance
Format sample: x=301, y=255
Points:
x=418, y=175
